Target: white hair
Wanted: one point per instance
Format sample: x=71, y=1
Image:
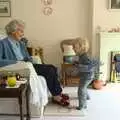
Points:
x=13, y=25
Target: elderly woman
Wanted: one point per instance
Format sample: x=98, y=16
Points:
x=12, y=49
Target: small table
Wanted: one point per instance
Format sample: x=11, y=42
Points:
x=68, y=80
x=21, y=88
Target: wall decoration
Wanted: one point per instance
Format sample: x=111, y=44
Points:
x=47, y=11
x=5, y=8
x=47, y=2
x=114, y=4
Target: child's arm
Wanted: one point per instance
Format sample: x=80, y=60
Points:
x=96, y=62
x=86, y=63
x=81, y=67
x=87, y=60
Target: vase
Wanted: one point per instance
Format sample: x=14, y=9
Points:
x=97, y=84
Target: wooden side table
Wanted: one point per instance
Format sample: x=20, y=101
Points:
x=68, y=80
x=18, y=92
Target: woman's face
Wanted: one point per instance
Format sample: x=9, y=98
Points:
x=19, y=33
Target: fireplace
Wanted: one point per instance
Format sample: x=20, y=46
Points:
x=108, y=42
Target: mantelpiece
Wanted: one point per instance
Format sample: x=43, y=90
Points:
x=108, y=41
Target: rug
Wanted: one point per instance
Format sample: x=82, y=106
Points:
x=55, y=110
x=109, y=95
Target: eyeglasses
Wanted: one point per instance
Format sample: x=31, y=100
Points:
x=20, y=30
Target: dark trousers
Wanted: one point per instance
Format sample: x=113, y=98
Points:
x=51, y=76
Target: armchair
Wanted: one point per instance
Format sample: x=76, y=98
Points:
x=11, y=104
x=35, y=110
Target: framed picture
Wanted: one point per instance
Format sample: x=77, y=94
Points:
x=5, y=8
x=114, y=73
x=114, y=4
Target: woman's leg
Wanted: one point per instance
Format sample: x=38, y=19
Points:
x=50, y=73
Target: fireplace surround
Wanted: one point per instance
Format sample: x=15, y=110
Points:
x=108, y=42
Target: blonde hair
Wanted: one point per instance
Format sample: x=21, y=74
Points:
x=81, y=46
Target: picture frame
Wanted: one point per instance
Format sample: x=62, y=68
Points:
x=114, y=75
x=5, y=8
x=114, y=4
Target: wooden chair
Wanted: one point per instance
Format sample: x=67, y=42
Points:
x=68, y=80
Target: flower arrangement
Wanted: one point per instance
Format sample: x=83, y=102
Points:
x=97, y=75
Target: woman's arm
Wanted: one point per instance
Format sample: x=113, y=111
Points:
x=4, y=62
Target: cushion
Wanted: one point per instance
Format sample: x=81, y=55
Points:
x=36, y=60
x=2, y=33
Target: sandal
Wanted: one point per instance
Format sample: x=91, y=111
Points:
x=65, y=96
x=62, y=102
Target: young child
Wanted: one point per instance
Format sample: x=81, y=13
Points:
x=86, y=68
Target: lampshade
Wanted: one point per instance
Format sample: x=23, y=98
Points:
x=68, y=50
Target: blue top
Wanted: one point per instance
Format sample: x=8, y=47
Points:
x=8, y=54
x=86, y=66
x=16, y=48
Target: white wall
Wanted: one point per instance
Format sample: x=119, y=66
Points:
x=69, y=19
x=104, y=18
